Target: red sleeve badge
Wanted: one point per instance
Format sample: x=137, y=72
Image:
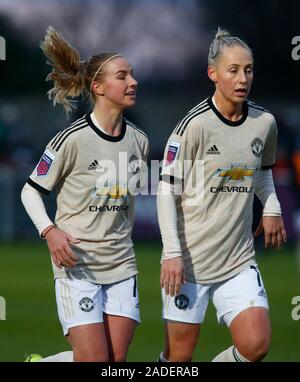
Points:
x=172, y=152
x=45, y=163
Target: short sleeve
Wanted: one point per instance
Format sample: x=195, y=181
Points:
x=179, y=156
x=51, y=168
x=269, y=152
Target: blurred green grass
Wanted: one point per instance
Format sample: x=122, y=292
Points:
x=31, y=324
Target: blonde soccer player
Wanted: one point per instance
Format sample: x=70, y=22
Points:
x=219, y=155
x=96, y=166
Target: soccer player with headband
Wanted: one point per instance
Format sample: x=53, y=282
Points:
x=90, y=243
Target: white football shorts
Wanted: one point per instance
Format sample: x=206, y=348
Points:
x=81, y=302
x=230, y=297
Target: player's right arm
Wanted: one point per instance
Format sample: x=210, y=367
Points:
x=170, y=188
x=179, y=157
x=52, y=167
x=172, y=268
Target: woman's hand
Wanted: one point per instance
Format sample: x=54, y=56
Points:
x=172, y=275
x=273, y=227
x=60, y=251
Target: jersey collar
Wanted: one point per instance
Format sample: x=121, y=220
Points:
x=106, y=136
x=227, y=121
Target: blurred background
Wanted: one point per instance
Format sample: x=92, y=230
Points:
x=167, y=42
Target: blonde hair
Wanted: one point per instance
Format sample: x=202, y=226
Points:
x=71, y=76
x=223, y=40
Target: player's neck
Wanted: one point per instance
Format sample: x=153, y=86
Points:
x=231, y=111
x=109, y=119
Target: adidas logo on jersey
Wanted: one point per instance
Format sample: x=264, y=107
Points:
x=213, y=151
x=94, y=165
x=262, y=293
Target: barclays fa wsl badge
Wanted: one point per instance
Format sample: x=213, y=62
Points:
x=172, y=152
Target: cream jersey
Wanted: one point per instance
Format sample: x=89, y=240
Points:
x=96, y=177
x=211, y=163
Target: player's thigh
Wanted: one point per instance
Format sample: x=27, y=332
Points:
x=239, y=293
x=180, y=338
x=119, y=333
x=122, y=314
x=79, y=302
x=79, y=305
x=183, y=315
x=89, y=343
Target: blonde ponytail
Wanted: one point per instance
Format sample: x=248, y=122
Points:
x=71, y=77
x=67, y=70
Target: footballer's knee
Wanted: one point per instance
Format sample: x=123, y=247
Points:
x=180, y=355
x=255, y=350
x=181, y=351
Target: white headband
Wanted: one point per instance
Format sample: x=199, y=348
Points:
x=101, y=66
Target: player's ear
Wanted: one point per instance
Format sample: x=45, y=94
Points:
x=211, y=72
x=98, y=88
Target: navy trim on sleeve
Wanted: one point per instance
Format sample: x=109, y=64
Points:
x=38, y=187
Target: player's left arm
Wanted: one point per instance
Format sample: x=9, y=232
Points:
x=271, y=222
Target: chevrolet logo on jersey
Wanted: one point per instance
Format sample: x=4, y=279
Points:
x=114, y=192
x=236, y=172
